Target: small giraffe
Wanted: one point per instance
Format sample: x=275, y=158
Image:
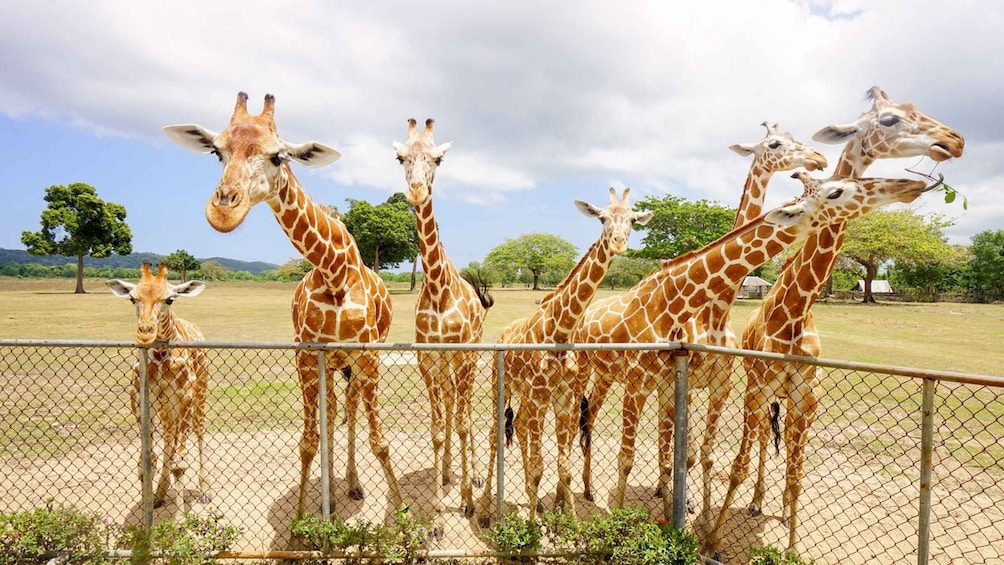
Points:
x=177, y=376
x=339, y=300
x=451, y=308
x=546, y=380
x=777, y=151
x=665, y=305
x=784, y=324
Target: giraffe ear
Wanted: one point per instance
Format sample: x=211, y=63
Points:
x=642, y=218
x=312, y=154
x=442, y=149
x=744, y=149
x=190, y=288
x=835, y=134
x=587, y=209
x=195, y=138
x=397, y=147
x=120, y=288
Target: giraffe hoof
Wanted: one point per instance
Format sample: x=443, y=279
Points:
x=437, y=533
x=478, y=482
x=658, y=492
x=206, y=498
x=540, y=507
x=589, y=496
x=158, y=502
x=755, y=511
x=484, y=521
x=785, y=521
x=468, y=511
x=357, y=493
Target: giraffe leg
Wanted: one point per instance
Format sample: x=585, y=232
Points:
x=199, y=429
x=352, y=394
x=309, y=439
x=429, y=369
x=753, y=413
x=760, y=488
x=593, y=404
x=465, y=392
x=721, y=386
x=331, y=410
x=634, y=403
x=564, y=404
x=802, y=406
x=449, y=417
x=170, y=426
x=482, y=507
x=529, y=429
x=378, y=444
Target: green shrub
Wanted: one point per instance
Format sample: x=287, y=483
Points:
x=772, y=556
x=402, y=541
x=35, y=536
x=513, y=535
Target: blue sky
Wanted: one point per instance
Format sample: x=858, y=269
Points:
x=544, y=102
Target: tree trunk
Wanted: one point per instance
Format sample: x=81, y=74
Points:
x=414, y=273
x=80, y=275
x=376, y=260
x=870, y=273
x=184, y=275
x=536, y=277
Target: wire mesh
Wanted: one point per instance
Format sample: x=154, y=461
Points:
x=67, y=434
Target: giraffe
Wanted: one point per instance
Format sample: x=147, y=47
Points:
x=339, y=300
x=546, y=380
x=177, y=376
x=451, y=308
x=666, y=305
x=783, y=323
x=777, y=151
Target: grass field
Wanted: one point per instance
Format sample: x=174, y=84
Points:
x=943, y=336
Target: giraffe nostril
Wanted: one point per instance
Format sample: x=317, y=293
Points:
x=234, y=198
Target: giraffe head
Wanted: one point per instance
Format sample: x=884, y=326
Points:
x=617, y=218
x=255, y=160
x=841, y=199
x=780, y=151
x=153, y=297
x=420, y=156
x=888, y=131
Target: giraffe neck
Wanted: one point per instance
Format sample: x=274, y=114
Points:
x=320, y=238
x=754, y=193
x=566, y=303
x=438, y=271
x=167, y=327
x=687, y=283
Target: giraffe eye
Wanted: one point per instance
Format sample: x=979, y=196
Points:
x=888, y=121
x=132, y=299
x=217, y=153
x=835, y=194
x=774, y=144
x=169, y=301
x=400, y=159
x=276, y=159
x=438, y=161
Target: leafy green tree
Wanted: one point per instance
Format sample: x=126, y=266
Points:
x=627, y=271
x=984, y=273
x=78, y=223
x=533, y=254
x=294, y=269
x=181, y=262
x=925, y=280
x=678, y=226
x=212, y=271
x=386, y=234
x=902, y=236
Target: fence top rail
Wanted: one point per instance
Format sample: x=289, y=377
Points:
x=946, y=376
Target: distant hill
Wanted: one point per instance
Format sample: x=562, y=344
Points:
x=131, y=261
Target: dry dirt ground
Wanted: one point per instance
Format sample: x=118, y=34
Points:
x=859, y=505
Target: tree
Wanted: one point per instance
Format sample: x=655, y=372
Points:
x=181, y=262
x=927, y=279
x=678, y=226
x=902, y=236
x=984, y=273
x=386, y=234
x=212, y=271
x=78, y=223
x=533, y=253
x=627, y=271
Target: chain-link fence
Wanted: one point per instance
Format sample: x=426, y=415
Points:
x=68, y=434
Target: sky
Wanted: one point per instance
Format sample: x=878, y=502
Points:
x=545, y=103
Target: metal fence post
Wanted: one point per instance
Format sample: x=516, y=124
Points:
x=146, y=440
x=322, y=407
x=680, y=431
x=926, y=468
x=499, y=432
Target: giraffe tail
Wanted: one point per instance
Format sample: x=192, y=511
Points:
x=509, y=428
x=480, y=287
x=585, y=435
x=775, y=425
